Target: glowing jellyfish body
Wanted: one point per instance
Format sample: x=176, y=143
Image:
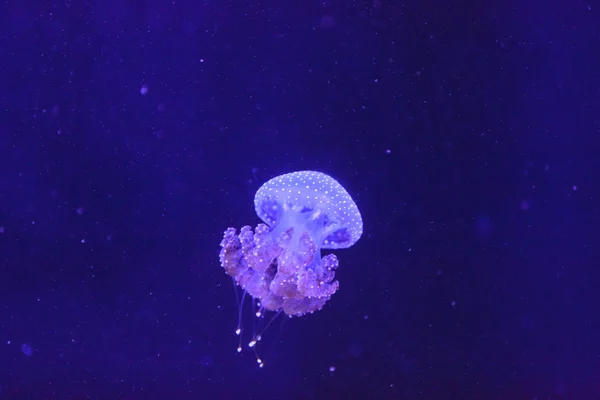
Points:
x=280, y=263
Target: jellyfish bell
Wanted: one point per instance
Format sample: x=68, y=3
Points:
x=311, y=203
x=279, y=264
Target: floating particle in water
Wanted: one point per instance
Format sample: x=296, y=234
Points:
x=159, y=133
x=206, y=361
x=144, y=90
x=327, y=22
x=27, y=349
x=483, y=226
x=80, y=211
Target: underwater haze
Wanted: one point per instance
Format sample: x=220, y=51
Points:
x=299, y=200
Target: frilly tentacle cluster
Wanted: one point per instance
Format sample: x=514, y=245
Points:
x=281, y=278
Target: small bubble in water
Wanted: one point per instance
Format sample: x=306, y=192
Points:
x=144, y=90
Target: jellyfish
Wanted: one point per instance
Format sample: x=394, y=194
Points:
x=279, y=264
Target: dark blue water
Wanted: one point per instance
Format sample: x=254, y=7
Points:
x=133, y=133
